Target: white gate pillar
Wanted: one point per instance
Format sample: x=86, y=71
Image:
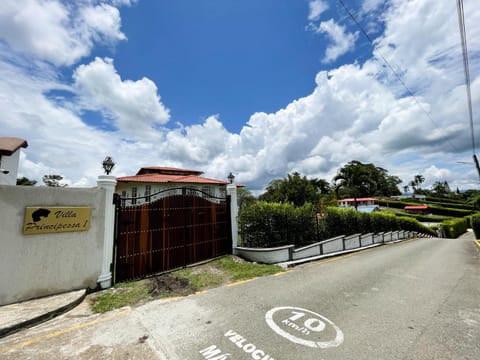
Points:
x=108, y=183
x=232, y=191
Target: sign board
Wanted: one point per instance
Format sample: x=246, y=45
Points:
x=44, y=220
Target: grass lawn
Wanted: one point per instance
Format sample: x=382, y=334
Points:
x=179, y=283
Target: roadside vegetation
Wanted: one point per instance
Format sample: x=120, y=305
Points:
x=179, y=283
x=299, y=211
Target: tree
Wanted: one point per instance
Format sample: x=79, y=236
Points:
x=53, y=180
x=406, y=188
x=321, y=185
x=356, y=179
x=419, y=179
x=294, y=189
x=353, y=180
x=23, y=181
x=244, y=197
x=441, y=188
x=416, y=183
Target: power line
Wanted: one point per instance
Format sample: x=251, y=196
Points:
x=463, y=38
x=397, y=75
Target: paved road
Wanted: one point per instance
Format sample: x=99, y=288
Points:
x=414, y=300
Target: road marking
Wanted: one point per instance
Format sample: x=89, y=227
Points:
x=53, y=334
x=283, y=272
x=477, y=243
x=303, y=327
x=241, y=282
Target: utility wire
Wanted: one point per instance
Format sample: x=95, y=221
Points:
x=463, y=38
x=397, y=75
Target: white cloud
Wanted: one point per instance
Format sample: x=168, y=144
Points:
x=103, y=22
x=134, y=106
x=342, y=41
x=54, y=32
x=371, y=5
x=316, y=8
x=354, y=111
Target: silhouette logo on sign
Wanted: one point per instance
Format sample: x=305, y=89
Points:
x=37, y=215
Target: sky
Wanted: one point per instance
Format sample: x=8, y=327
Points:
x=259, y=88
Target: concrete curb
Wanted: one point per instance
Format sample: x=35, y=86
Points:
x=289, y=264
x=37, y=319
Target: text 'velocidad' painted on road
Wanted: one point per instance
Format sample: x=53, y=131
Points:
x=214, y=353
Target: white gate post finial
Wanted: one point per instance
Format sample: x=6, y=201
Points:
x=108, y=183
x=232, y=191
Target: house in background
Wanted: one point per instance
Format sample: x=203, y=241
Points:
x=417, y=209
x=350, y=202
x=149, y=181
x=9, y=159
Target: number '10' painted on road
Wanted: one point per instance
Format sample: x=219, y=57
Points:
x=287, y=321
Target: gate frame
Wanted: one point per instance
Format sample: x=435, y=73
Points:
x=230, y=199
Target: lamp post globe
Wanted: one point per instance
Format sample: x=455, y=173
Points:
x=108, y=165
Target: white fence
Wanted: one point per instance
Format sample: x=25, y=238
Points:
x=337, y=245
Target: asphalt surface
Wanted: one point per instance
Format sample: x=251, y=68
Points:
x=418, y=299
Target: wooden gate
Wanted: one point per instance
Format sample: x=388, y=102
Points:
x=184, y=226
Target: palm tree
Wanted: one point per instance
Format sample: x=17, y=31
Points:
x=354, y=179
x=419, y=179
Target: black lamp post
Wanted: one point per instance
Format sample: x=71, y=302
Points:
x=108, y=165
x=230, y=178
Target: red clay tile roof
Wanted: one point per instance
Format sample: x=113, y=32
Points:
x=8, y=145
x=167, y=171
x=165, y=178
x=416, y=207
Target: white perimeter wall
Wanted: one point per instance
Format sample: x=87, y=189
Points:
x=38, y=265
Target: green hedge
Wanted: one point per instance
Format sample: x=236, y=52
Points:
x=444, y=200
x=454, y=228
x=426, y=218
x=265, y=224
x=475, y=224
x=435, y=209
x=451, y=205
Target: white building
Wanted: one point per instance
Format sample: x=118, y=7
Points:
x=350, y=202
x=9, y=159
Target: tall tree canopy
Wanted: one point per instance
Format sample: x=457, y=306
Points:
x=295, y=189
x=356, y=179
x=53, y=180
x=441, y=188
x=416, y=183
x=24, y=181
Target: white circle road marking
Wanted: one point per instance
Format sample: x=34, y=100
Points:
x=309, y=324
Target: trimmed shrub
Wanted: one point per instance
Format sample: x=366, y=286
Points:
x=265, y=224
x=475, y=224
x=454, y=228
x=435, y=209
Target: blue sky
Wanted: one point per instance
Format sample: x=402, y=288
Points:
x=222, y=57
x=261, y=88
